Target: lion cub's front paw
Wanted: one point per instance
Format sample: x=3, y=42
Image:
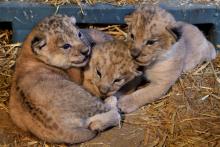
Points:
x=127, y=104
x=103, y=121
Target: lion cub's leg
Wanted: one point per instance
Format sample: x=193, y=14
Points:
x=102, y=121
x=159, y=85
x=161, y=75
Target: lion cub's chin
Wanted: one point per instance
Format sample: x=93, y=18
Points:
x=80, y=63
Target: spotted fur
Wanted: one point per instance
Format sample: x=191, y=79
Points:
x=110, y=67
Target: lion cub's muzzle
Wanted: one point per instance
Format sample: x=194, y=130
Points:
x=106, y=91
x=80, y=57
x=135, y=52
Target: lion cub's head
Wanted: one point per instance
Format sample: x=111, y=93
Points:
x=110, y=67
x=57, y=41
x=150, y=30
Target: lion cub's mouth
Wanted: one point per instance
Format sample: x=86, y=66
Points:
x=110, y=93
x=145, y=60
x=82, y=59
x=81, y=62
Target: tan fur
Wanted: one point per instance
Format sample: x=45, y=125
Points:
x=43, y=100
x=94, y=37
x=165, y=64
x=156, y=24
x=110, y=67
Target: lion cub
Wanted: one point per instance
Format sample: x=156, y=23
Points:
x=110, y=67
x=43, y=99
x=163, y=54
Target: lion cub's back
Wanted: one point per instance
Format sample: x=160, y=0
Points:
x=198, y=48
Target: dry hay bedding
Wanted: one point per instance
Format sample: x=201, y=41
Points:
x=189, y=115
x=121, y=2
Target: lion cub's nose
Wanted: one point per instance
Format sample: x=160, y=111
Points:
x=85, y=51
x=104, y=89
x=135, y=52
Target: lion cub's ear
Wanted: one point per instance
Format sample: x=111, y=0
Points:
x=135, y=17
x=128, y=19
x=174, y=32
x=73, y=19
x=37, y=43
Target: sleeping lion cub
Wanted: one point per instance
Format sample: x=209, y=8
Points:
x=111, y=66
x=164, y=53
x=43, y=100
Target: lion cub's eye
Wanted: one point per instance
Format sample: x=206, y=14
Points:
x=98, y=73
x=80, y=35
x=132, y=36
x=151, y=41
x=66, y=46
x=117, y=80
